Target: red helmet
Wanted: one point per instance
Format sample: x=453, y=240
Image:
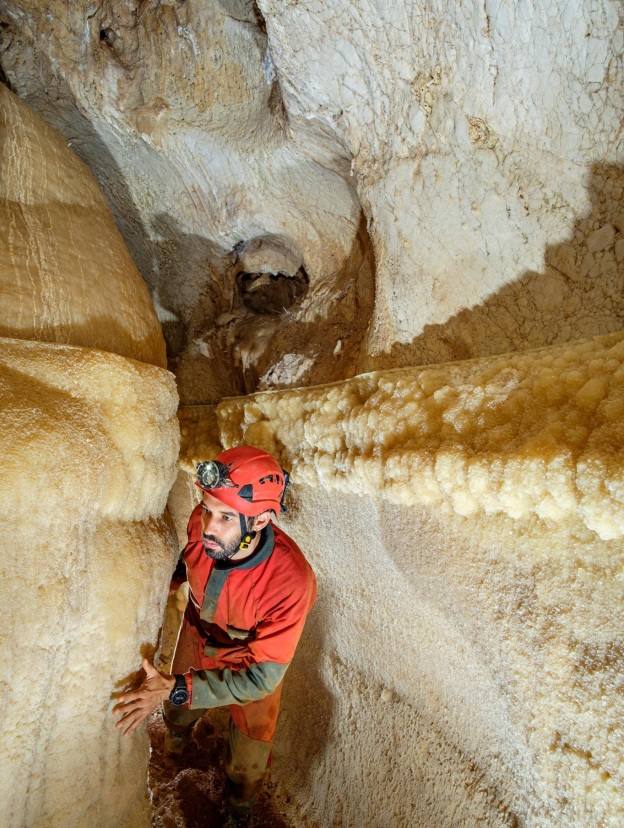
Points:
x=246, y=478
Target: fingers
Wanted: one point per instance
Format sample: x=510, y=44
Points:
x=134, y=708
x=132, y=715
x=124, y=709
x=136, y=705
x=122, y=706
x=132, y=696
x=128, y=723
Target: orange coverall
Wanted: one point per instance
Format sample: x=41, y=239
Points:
x=238, y=635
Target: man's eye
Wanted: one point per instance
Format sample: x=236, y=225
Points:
x=227, y=517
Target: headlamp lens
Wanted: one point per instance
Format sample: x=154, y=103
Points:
x=212, y=475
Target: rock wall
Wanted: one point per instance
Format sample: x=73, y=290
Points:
x=473, y=155
x=89, y=442
x=487, y=157
x=177, y=110
x=65, y=272
x=464, y=662
x=430, y=183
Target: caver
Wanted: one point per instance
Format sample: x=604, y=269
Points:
x=250, y=590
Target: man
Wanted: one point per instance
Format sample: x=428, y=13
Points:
x=250, y=591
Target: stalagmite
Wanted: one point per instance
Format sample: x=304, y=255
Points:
x=88, y=440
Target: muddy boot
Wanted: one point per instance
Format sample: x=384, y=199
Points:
x=177, y=739
x=179, y=722
x=238, y=801
x=238, y=816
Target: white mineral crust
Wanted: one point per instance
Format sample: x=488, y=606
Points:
x=88, y=441
x=449, y=179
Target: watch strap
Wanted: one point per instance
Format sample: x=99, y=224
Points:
x=179, y=694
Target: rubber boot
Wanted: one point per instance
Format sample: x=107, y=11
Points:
x=177, y=739
x=238, y=800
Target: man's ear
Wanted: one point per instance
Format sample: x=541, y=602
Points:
x=261, y=520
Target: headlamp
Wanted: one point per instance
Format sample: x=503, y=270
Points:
x=211, y=474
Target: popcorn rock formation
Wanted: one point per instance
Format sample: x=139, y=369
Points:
x=530, y=433
x=467, y=641
x=313, y=190
x=89, y=441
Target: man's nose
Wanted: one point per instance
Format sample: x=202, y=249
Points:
x=206, y=523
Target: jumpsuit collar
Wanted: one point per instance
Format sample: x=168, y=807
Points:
x=260, y=554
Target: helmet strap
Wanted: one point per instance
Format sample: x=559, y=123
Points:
x=247, y=535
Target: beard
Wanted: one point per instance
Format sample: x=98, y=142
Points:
x=224, y=552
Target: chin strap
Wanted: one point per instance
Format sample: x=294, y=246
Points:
x=247, y=535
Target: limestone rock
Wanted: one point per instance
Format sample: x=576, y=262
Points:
x=65, y=272
x=466, y=523
x=215, y=126
x=89, y=441
x=447, y=181
x=470, y=142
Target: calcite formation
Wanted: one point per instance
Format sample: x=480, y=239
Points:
x=65, y=272
x=177, y=109
x=486, y=152
x=89, y=442
x=327, y=194
x=473, y=152
x=465, y=662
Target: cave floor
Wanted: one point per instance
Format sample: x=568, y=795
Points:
x=186, y=789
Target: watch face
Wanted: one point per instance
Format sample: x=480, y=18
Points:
x=179, y=695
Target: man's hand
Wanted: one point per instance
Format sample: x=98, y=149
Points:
x=136, y=705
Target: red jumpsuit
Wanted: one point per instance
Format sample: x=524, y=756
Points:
x=239, y=633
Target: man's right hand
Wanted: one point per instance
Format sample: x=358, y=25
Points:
x=136, y=705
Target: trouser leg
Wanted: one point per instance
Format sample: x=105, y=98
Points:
x=245, y=766
x=180, y=719
x=179, y=724
x=252, y=727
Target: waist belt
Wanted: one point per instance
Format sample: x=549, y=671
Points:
x=216, y=637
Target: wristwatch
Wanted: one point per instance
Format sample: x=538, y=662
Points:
x=179, y=695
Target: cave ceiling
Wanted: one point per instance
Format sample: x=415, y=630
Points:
x=315, y=189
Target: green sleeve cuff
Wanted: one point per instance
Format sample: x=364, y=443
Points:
x=217, y=688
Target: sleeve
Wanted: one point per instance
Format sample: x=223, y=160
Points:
x=271, y=652
x=179, y=574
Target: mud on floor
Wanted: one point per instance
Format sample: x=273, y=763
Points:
x=186, y=789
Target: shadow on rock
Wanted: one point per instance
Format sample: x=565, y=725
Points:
x=579, y=294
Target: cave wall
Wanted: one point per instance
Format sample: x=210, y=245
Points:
x=450, y=180
x=65, y=273
x=487, y=157
x=89, y=442
x=463, y=665
x=476, y=151
x=177, y=109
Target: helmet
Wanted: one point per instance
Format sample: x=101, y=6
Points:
x=246, y=478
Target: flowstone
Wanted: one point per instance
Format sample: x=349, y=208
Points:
x=89, y=442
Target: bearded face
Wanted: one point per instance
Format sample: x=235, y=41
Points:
x=221, y=529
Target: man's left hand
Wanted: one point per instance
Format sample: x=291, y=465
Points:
x=136, y=705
